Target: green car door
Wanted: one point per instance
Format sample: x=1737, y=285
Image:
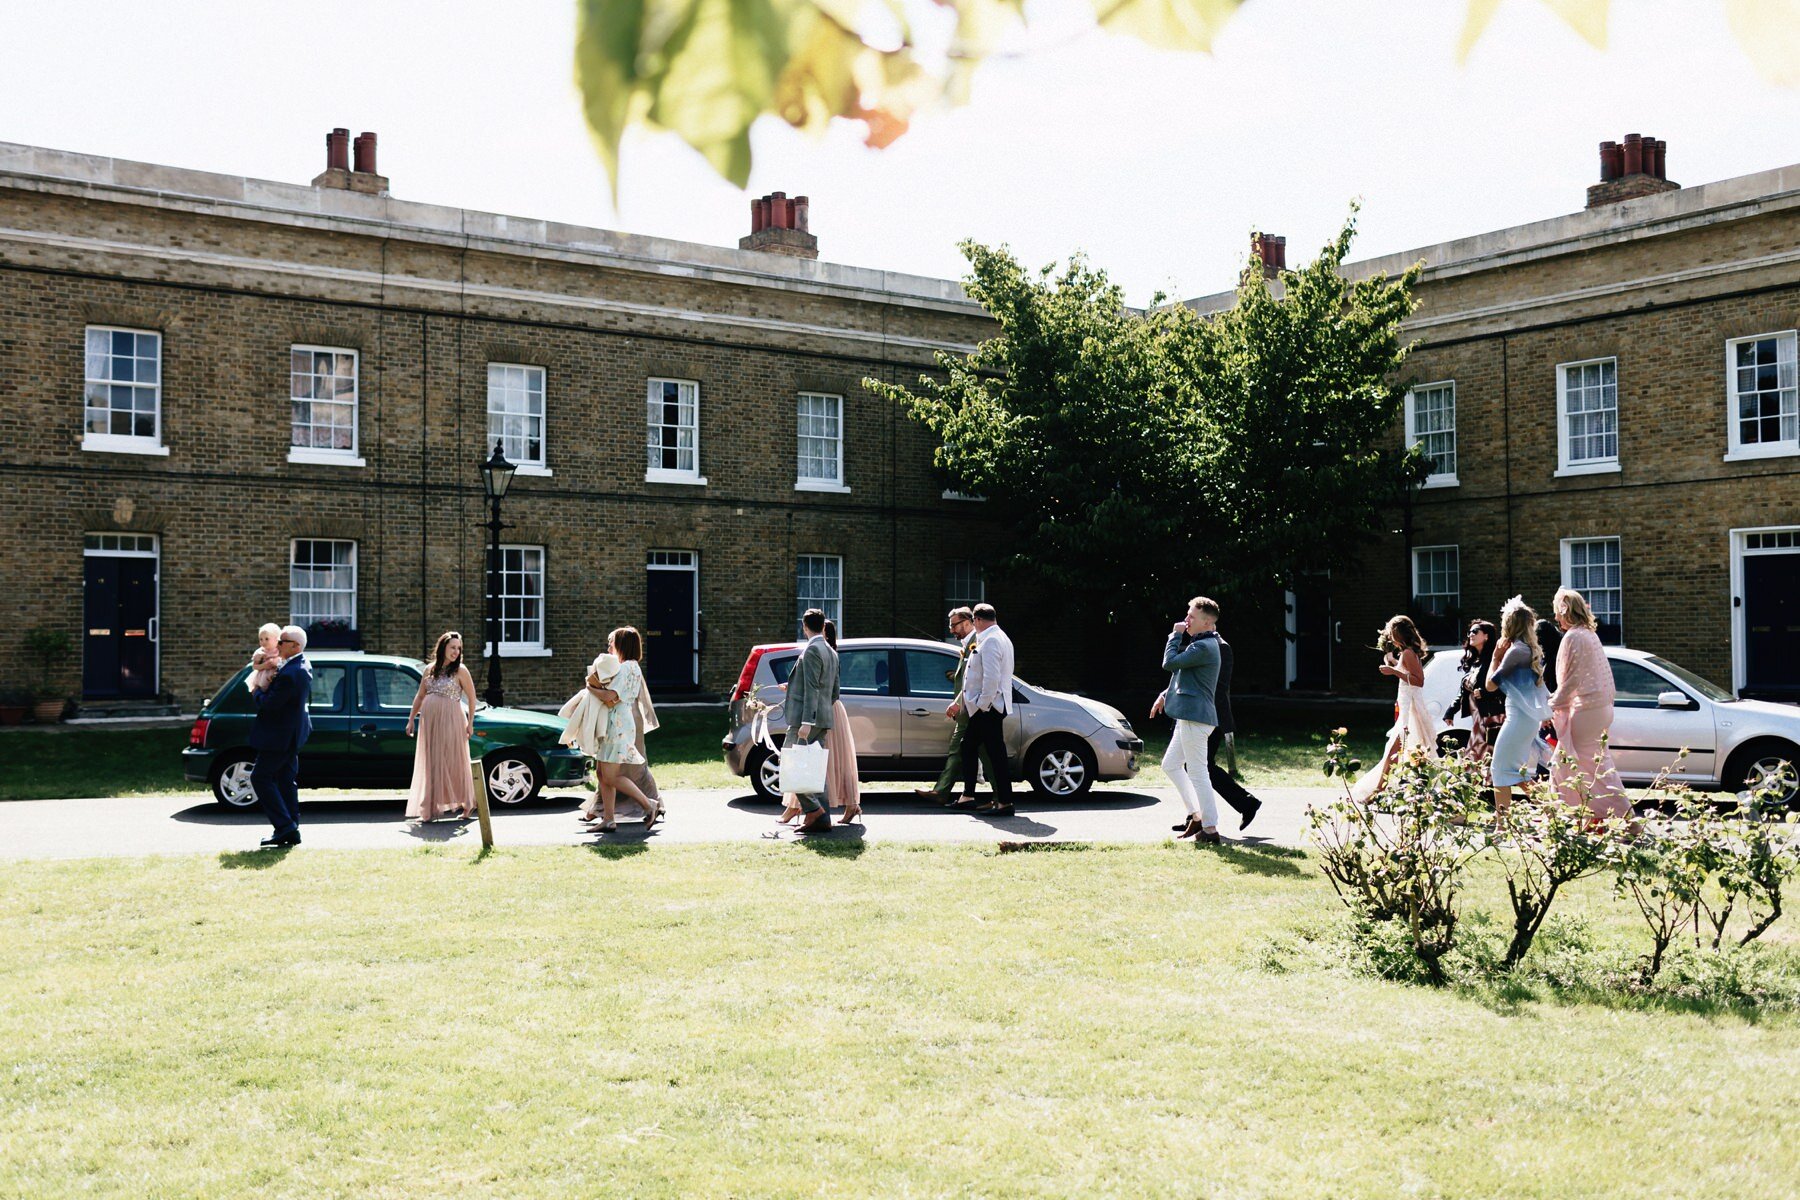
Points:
x=381, y=752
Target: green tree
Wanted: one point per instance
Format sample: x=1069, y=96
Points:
x=1141, y=456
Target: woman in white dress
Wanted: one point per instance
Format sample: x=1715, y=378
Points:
x=1405, y=655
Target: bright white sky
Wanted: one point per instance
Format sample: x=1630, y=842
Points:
x=1157, y=165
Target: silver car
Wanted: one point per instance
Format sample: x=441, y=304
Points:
x=895, y=691
x=1733, y=745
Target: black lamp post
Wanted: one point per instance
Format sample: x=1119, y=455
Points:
x=496, y=477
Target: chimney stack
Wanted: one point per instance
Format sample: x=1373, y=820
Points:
x=338, y=173
x=778, y=225
x=1272, y=251
x=1629, y=169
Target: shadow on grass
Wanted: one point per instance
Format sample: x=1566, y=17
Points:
x=1262, y=858
x=834, y=844
x=615, y=850
x=253, y=860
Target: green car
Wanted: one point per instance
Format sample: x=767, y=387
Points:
x=359, y=705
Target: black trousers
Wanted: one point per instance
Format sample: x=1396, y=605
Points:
x=1224, y=786
x=273, y=779
x=987, y=732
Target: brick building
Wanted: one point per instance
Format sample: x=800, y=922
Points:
x=1609, y=398
x=228, y=401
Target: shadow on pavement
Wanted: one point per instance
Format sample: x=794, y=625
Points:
x=905, y=804
x=374, y=809
x=440, y=831
x=253, y=860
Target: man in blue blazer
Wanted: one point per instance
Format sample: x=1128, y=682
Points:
x=282, y=727
x=1193, y=676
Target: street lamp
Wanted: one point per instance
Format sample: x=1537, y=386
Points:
x=496, y=477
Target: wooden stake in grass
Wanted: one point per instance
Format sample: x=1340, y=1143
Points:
x=481, y=804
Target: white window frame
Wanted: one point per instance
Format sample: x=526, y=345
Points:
x=327, y=456
x=652, y=394
x=541, y=647
x=980, y=576
x=539, y=466
x=355, y=578
x=121, y=443
x=1456, y=596
x=1585, y=466
x=1735, y=449
x=1436, y=479
x=802, y=603
x=811, y=483
x=1568, y=544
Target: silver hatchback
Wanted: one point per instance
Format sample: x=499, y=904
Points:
x=895, y=691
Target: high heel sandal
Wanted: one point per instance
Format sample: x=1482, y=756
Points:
x=654, y=814
x=850, y=818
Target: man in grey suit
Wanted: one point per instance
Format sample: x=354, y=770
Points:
x=812, y=690
x=1225, y=787
x=1193, y=677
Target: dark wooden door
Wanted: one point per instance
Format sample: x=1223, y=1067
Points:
x=1772, y=626
x=671, y=639
x=1312, y=634
x=119, y=643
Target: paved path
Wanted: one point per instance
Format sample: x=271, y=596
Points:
x=190, y=823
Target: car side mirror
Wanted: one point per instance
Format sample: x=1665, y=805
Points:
x=1672, y=700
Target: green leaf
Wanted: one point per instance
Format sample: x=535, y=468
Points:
x=1587, y=17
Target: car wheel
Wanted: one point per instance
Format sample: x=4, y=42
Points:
x=1767, y=764
x=513, y=775
x=765, y=773
x=231, y=780
x=1061, y=768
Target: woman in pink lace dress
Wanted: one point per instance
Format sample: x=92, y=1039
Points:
x=443, y=711
x=1582, y=711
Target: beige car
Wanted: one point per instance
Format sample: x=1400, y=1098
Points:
x=895, y=691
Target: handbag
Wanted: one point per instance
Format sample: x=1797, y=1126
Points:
x=803, y=768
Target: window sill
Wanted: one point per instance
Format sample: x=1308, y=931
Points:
x=533, y=470
x=655, y=475
x=1760, y=454
x=509, y=650
x=1440, y=481
x=820, y=485
x=1605, y=468
x=324, y=458
x=111, y=443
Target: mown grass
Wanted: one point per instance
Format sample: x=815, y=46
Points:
x=779, y=1020
x=1282, y=750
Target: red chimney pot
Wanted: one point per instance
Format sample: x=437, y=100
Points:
x=365, y=154
x=1634, y=154
x=337, y=150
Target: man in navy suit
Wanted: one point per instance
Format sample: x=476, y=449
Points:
x=282, y=727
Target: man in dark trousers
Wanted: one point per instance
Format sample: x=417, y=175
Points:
x=1224, y=785
x=282, y=727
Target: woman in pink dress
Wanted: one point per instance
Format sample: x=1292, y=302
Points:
x=443, y=714
x=1582, y=710
x=842, y=789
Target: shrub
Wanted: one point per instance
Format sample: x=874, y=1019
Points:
x=1543, y=844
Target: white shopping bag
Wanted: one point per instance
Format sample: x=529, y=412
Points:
x=803, y=768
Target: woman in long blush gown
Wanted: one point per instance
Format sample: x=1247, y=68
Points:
x=1406, y=655
x=842, y=788
x=442, y=719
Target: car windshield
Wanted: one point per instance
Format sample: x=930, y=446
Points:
x=1705, y=687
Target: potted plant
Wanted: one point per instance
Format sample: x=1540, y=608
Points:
x=50, y=648
x=332, y=633
x=13, y=706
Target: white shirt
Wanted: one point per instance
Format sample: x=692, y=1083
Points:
x=988, y=679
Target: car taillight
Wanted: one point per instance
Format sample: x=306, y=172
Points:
x=197, y=735
x=749, y=672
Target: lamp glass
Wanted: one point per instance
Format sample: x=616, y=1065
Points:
x=497, y=474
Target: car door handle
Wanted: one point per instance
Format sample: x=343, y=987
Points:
x=370, y=729
x=919, y=712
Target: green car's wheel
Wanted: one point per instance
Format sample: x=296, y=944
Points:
x=514, y=775
x=231, y=780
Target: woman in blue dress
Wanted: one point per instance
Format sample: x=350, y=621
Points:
x=1518, y=670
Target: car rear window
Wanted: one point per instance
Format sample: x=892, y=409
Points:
x=860, y=672
x=781, y=668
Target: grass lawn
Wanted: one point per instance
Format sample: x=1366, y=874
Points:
x=777, y=1020
x=1281, y=749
